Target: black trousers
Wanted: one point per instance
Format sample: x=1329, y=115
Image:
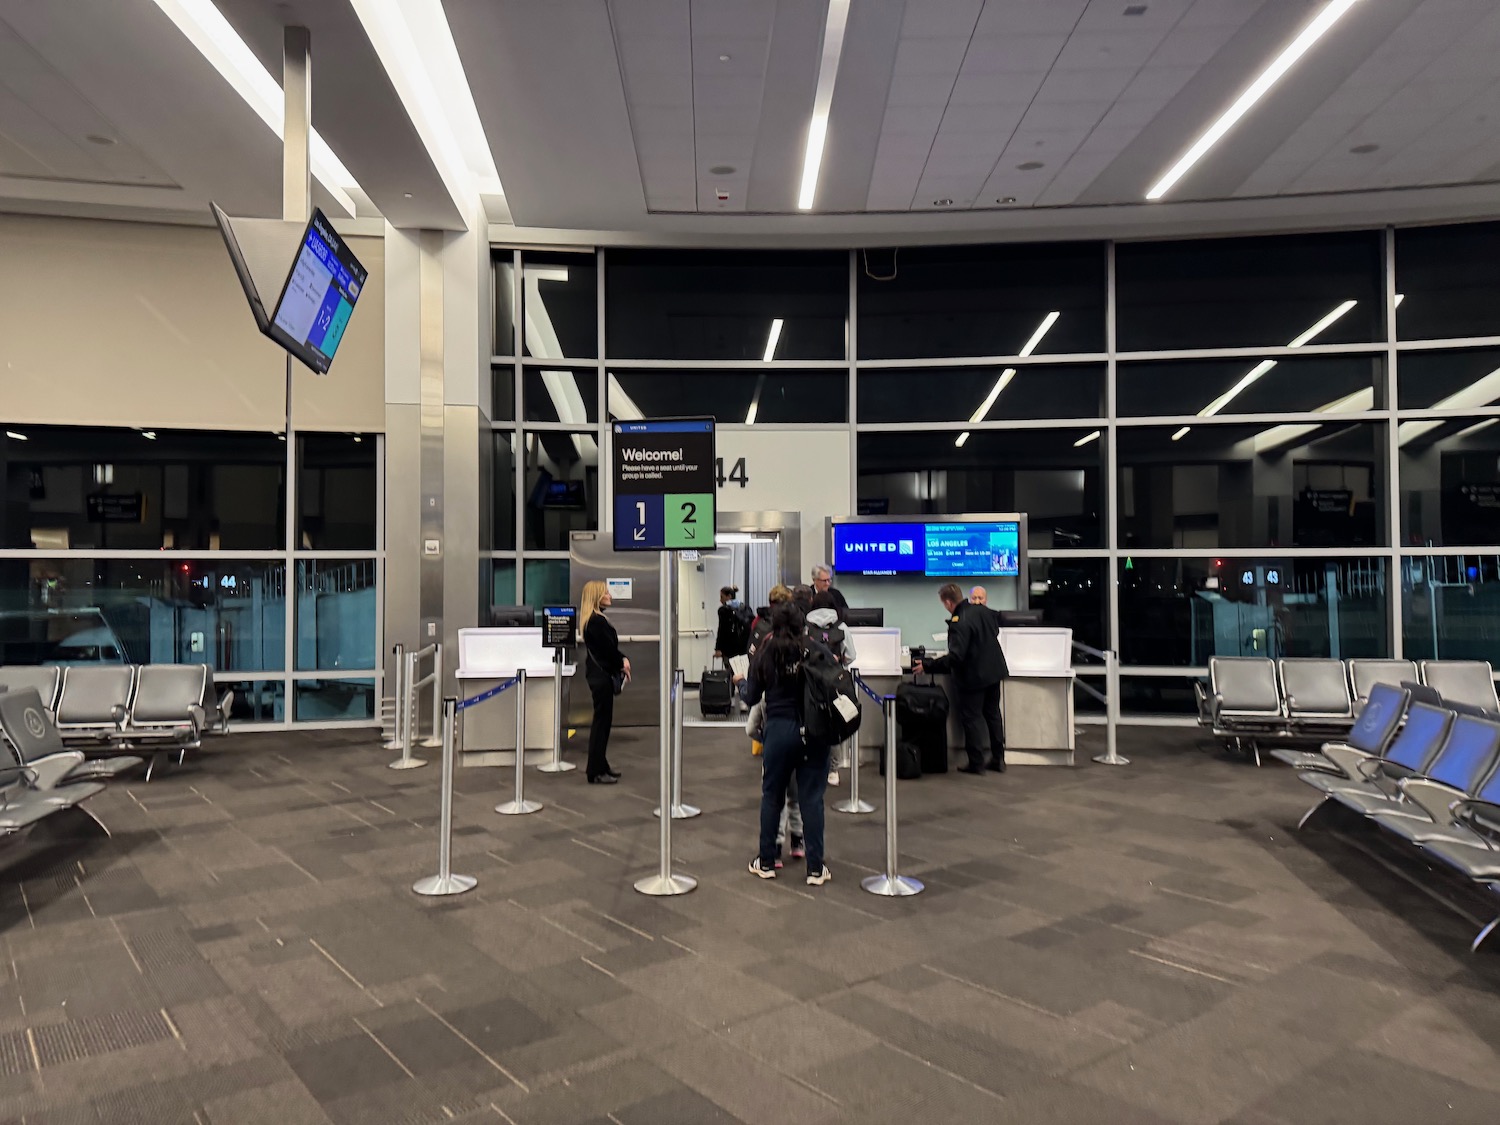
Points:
x=979, y=712
x=603, y=691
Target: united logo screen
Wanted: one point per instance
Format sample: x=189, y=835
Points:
x=938, y=550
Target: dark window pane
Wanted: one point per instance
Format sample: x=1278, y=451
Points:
x=981, y=393
x=255, y=701
x=72, y=488
x=546, y=582
x=777, y=396
x=1450, y=607
x=943, y=301
x=1300, y=485
x=1449, y=281
x=497, y=582
x=505, y=289
x=1157, y=695
x=1071, y=594
x=1456, y=380
x=562, y=487
x=671, y=304
x=1450, y=481
x=560, y=298
x=502, y=478
x=557, y=395
x=336, y=612
x=325, y=701
x=337, y=493
x=1043, y=473
x=503, y=393
x=1182, y=611
x=1249, y=386
x=227, y=613
x=1234, y=292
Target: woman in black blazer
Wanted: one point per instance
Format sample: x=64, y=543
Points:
x=603, y=661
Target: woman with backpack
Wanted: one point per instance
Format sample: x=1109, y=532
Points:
x=776, y=676
x=825, y=624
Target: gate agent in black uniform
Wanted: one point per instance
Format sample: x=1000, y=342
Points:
x=977, y=664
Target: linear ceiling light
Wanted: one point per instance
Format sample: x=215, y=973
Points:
x=621, y=405
x=1358, y=402
x=208, y=30
x=415, y=45
x=772, y=340
x=15, y=436
x=1008, y=374
x=760, y=382
x=1265, y=365
x=1267, y=78
x=1182, y=433
x=1483, y=391
x=817, y=129
x=1081, y=442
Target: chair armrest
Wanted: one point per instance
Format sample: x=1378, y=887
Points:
x=51, y=771
x=1215, y=708
x=198, y=718
x=226, y=701
x=1437, y=800
x=1350, y=762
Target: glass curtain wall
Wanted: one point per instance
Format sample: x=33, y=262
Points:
x=174, y=546
x=1270, y=445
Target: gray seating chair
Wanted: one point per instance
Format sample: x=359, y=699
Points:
x=167, y=704
x=1478, y=862
x=1375, y=779
x=1462, y=681
x=1365, y=674
x=33, y=737
x=1458, y=787
x=1374, y=727
x=1315, y=691
x=43, y=677
x=1244, y=701
x=24, y=804
x=216, y=707
x=94, y=702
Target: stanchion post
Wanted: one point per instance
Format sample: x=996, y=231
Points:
x=445, y=882
x=664, y=882
x=398, y=692
x=679, y=702
x=520, y=806
x=892, y=884
x=852, y=804
x=1111, y=755
x=556, y=763
x=408, y=715
x=436, y=737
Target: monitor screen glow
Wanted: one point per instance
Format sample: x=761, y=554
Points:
x=937, y=550
x=319, y=295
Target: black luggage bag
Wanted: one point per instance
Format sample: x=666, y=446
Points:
x=716, y=694
x=908, y=761
x=922, y=721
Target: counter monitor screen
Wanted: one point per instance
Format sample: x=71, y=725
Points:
x=319, y=296
x=865, y=618
x=937, y=550
x=559, y=626
x=512, y=617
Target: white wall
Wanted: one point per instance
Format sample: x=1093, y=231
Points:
x=113, y=323
x=788, y=470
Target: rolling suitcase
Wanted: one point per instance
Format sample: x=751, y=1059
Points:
x=922, y=721
x=716, y=694
x=908, y=761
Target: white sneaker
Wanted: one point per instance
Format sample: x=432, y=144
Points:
x=833, y=777
x=761, y=872
x=819, y=877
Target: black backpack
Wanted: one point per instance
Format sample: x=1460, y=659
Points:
x=740, y=620
x=830, y=702
x=830, y=637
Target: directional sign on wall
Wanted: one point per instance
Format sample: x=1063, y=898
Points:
x=664, y=484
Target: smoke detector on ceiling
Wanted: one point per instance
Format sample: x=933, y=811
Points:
x=1006, y=199
x=942, y=203
x=721, y=194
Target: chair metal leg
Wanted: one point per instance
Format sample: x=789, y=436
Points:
x=1255, y=749
x=1310, y=813
x=75, y=823
x=1484, y=933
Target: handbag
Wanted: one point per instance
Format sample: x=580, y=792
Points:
x=617, y=681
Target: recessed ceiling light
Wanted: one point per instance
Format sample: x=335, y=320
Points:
x=1330, y=15
x=1006, y=199
x=722, y=170
x=1360, y=150
x=1030, y=165
x=725, y=58
x=98, y=139
x=942, y=203
x=406, y=195
x=1135, y=10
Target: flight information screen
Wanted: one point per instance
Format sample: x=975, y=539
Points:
x=319, y=296
x=938, y=550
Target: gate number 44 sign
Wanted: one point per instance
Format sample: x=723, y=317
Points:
x=737, y=475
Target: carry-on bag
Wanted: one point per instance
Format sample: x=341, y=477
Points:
x=715, y=694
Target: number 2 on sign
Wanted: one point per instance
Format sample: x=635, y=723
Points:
x=737, y=475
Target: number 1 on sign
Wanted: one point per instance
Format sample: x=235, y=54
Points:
x=640, y=512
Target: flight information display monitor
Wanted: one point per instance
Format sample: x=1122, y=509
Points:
x=319, y=295
x=937, y=550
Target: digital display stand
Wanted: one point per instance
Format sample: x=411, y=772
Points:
x=559, y=626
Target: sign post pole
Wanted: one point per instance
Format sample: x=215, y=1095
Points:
x=664, y=486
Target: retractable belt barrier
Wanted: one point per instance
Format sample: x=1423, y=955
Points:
x=519, y=806
x=680, y=811
x=853, y=804
x=892, y=884
x=397, y=741
x=1111, y=700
